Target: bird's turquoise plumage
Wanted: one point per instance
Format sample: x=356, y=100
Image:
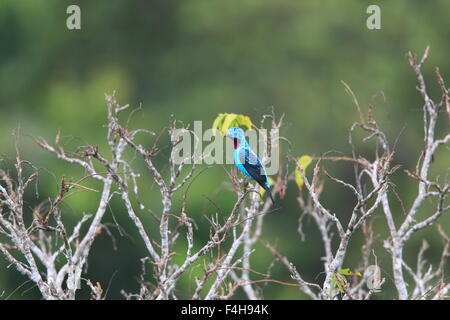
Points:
x=246, y=159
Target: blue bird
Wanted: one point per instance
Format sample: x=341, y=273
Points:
x=246, y=160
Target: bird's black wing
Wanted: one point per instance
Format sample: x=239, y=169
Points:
x=251, y=163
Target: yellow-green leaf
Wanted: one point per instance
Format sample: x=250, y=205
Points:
x=218, y=121
x=244, y=121
x=227, y=123
x=348, y=272
x=340, y=281
x=224, y=121
x=303, y=162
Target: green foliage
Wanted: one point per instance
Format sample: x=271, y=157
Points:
x=224, y=121
x=340, y=280
x=303, y=162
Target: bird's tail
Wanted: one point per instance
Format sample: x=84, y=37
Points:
x=270, y=193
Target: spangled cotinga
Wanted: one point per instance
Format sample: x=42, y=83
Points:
x=246, y=160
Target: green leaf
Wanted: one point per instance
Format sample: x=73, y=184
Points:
x=303, y=162
x=340, y=281
x=224, y=121
x=227, y=123
x=218, y=121
x=347, y=272
x=244, y=121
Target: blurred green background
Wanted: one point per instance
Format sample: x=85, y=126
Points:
x=195, y=59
